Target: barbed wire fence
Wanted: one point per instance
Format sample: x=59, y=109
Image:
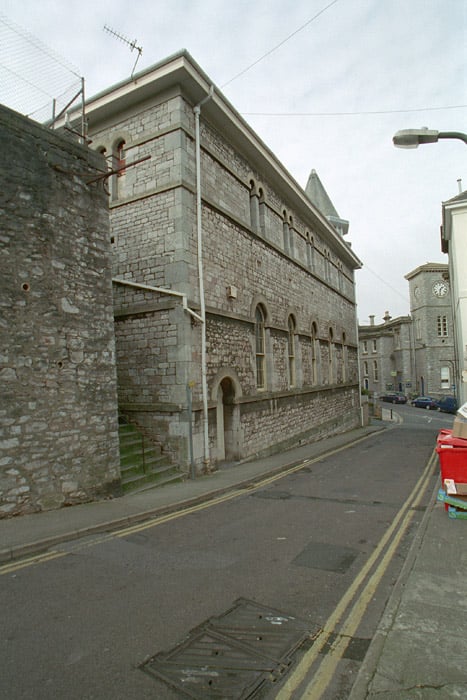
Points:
x=35, y=80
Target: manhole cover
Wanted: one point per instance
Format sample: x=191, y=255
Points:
x=328, y=557
x=232, y=656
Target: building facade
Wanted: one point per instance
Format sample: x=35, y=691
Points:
x=413, y=354
x=234, y=295
x=433, y=330
x=386, y=355
x=454, y=242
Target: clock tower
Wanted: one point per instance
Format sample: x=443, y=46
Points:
x=433, y=332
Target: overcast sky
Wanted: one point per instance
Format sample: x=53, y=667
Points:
x=336, y=80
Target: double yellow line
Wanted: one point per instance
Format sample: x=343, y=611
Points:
x=161, y=519
x=389, y=542
x=358, y=595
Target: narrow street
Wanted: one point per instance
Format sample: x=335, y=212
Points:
x=323, y=544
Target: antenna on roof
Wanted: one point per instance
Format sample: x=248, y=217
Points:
x=131, y=44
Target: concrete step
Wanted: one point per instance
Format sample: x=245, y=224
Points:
x=142, y=464
x=159, y=477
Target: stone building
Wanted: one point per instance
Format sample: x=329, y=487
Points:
x=413, y=354
x=433, y=331
x=234, y=296
x=454, y=242
x=58, y=413
x=386, y=355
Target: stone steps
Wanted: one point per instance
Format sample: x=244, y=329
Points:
x=142, y=465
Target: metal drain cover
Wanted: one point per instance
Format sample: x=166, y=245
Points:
x=232, y=656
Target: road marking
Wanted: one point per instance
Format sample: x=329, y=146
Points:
x=161, y=519
x=37, y=559
x=323, y=676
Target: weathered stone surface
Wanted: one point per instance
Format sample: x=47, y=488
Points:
x=57, y=365
x=291, y=266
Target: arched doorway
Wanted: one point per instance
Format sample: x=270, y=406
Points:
x=227, y=422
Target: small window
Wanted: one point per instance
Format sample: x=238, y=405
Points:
x=291, y=350
x=375, y=371
x=331, y=351
x=260, y=349
x=344, y=358
x=121, y=158
x=442, y=323
x=365, y=347
x=262, y=212
x=375, y=345
x=445, y=378
x=254, y=207
x=418, y=329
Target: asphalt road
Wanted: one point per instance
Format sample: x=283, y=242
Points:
x=79, y=627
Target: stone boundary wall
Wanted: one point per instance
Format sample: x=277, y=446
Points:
x=58, y=414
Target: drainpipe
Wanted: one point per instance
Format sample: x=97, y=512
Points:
x=204, y=384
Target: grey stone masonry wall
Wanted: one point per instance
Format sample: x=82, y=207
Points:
x=58, y=414
x=277, y=252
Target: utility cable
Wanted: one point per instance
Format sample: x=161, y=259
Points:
x=281, y=43
x=350, y=114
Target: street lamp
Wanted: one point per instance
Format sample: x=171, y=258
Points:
x=412, y=138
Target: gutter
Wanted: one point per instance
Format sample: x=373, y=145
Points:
x=161, y=290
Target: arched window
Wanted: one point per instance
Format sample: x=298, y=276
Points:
x=314, y=354
x=262, y=213
x=285, y=232
x=291, y=237
x=260, y=348
x=254, y=207
x=331, y=357
x=291, y=350
x=344, y=358
x=340, y=277
x=118, y=163
x=327, y=266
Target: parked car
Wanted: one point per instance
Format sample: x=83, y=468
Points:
x=425, y=402
x=394, y=397
x=448, y=404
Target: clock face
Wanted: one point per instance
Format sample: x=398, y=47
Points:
x=440, y=289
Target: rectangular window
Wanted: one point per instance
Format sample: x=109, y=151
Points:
x=442, y=326
x=445, y=378
x=375, y=371
x=374, y=346
x=418, y=329
x=365, y=347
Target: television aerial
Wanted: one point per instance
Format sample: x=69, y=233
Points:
x=131, y=44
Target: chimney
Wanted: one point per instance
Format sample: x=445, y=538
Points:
x=386, y=317
x=459, y=185
x=372, y=320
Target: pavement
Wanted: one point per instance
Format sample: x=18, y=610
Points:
x=419, y=651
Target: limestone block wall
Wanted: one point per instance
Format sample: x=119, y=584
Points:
x=58, y=413
x=281, y=260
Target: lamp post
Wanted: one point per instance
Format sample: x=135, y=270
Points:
x=412, y=138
